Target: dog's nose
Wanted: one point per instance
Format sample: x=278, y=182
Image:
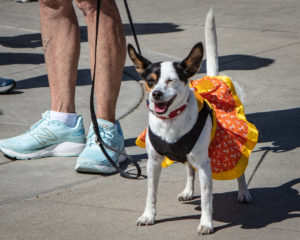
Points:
x=157, y=95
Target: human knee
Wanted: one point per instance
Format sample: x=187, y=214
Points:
x=55, y=6
x=87, y=6
x=90, y=6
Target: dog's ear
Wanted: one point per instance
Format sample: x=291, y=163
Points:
x=191, y=63
x=138, y=60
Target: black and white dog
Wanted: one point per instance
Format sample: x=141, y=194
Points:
x=168, y=86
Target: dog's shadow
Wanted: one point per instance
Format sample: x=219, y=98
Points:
x=281, y=128
x=269, y=205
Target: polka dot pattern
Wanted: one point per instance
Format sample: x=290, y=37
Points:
x=231, y=133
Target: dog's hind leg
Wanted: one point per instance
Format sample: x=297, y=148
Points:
x=244, y=195
x=153, y=173
x=188, y=192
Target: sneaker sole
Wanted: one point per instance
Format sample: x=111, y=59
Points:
x=98, y=168
x=7, y=88
x=66, y=149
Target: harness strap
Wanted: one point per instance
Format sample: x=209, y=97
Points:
x=99, y=140
x=178, y=150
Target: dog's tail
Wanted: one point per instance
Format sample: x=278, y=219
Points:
x=211, y=43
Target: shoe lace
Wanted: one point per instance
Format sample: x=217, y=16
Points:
x=37, y=124
x=91, y=137
x=41, y=123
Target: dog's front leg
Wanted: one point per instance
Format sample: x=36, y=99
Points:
x=205, y=176
x=244, y=195
x=153, y=172
x=188, y=192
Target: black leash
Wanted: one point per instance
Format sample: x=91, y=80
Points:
x=132, y=28
x=99, y=140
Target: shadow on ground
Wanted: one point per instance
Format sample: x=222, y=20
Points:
x=34, y=40
x=228, y=62
x=130, y=142
x=83, y=79
x=21, y=58
x=241, y=62
x=269, y=205
x=281, y=128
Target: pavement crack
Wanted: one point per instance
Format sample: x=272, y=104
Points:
x=91, y=206
x=261, y=52
x=19, y=124
x=41, y=193
x=256, y=29
x=140, y=100
x=20, y=28
x=276, y=48
x=8, y=161
x=242, y=28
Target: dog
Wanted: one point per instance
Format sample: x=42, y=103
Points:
x=169, y=93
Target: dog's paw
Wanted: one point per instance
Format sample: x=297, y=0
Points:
x=244, y=196
x=145, y=220
x=204, y=230
x=185, y=196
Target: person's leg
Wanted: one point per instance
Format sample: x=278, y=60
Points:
x=111, y=53
x=61, y=43
x=61, y=133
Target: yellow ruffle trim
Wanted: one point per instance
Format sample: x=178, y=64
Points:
x=252, y=138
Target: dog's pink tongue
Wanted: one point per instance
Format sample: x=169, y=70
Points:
x=160, y=107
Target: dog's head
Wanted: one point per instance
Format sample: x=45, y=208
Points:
x=167, y=82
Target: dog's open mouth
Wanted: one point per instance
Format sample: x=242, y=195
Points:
x=162, y=107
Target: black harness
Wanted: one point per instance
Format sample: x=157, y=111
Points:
x=178, y=150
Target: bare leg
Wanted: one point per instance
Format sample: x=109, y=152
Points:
x=61, y=51
x=188, y=192
x=111, y=53
x=244, y=195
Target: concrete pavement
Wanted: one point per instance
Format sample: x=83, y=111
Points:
x=259, y=47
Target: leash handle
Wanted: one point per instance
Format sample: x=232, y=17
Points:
x=99, y=140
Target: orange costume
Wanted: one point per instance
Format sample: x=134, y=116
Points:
x=233, y=137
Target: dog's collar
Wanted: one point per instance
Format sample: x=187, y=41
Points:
x=172, y=114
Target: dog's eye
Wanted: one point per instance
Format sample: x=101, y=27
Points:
x=150, y=83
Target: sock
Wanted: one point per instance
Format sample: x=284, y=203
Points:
x=69, y=119
x=106, y=123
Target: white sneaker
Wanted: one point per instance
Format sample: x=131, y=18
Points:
x=46, y=138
